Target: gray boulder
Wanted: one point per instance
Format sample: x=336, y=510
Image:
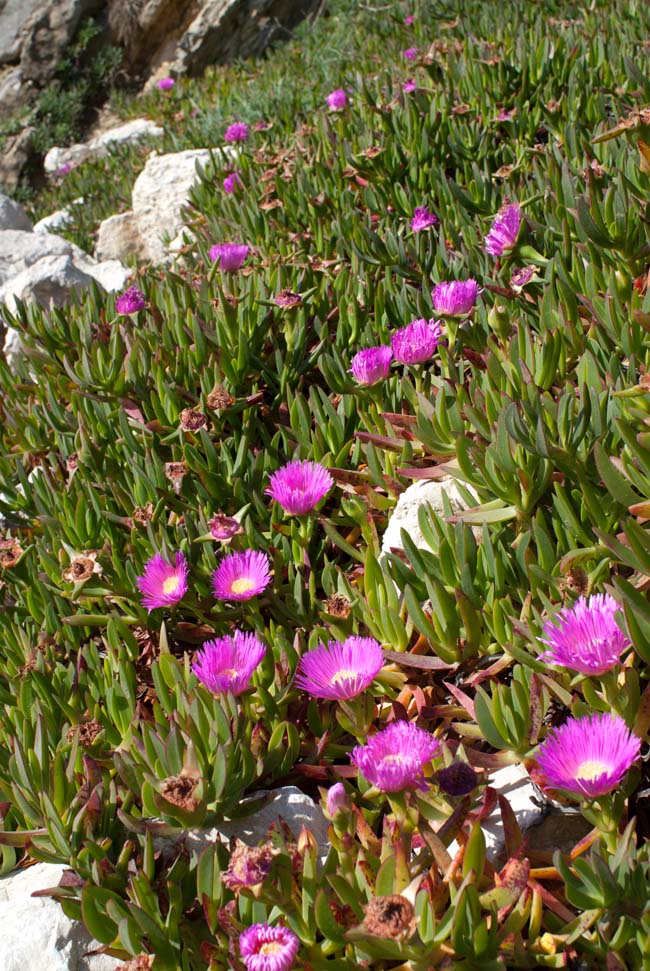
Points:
x=13, y=216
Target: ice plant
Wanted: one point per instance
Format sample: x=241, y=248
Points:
x=585, y=637
x=409, y=20
x=130, y=301
x=337, y=100
x=395, y=757
x=237, y=132
x=416, y=342
x=372, y=364
x=504, y=232
x=162, y=584
x=341, y=670
x=232, y=182
x=337, y=798
x=410, y=53
x=287, y=298
x=165, y=84
x=249, y=866
x=456, y=298
x=409, y=86
x=231, y=256
x=241, y=576
x=266, y=948
x=224, y=527
x=227, y=663
x=423, y=219
x=588, y=756
x=299, y=486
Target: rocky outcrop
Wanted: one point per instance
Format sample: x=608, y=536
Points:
x=13, y=216
x=99, y=145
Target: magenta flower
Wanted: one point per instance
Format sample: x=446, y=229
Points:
x=224, y=527
x=372, y=364
x=410, y=53
x=337, y=100
x=161, y=584
x=588, y=756
x=408, y=21
x=64, y=169
x=504, y=232
x=266, y=948
x=340, y=670
x=395, y=757
x=232, y=182
x=165, y=84
x=522, y=277
x=416, y=342
x=241, y=576
x=585, y=637
x=409, y=86
x=227, y=663
x=456, y=298
x=337, y=798
x=287, y=298
x=423, y=219
x=231, y=256
x=237, y=132
x=130, y=301
x=248, y=866
x=299, y=486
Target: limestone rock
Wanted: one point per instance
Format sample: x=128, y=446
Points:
x=49, y=282
x=405, y=515
x=17, y=150
x=98, y=146
x=35, y=931
x=58, y=219
x=13, y=216
x=14, y=15
x=118, y=237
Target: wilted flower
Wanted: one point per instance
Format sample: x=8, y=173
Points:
x=162, y=584
x=241, y=576
x=423, y=219
x=10, y=552
x=521, y=277
x=219, y=398
x=248, y=866
x=130, y=301
x=237, y=132
x=390, y=917
x=179, y=791
x=224, y=527
x=231, y=256
x=456, y=298
x=506, y=114
x=337, y=798
x=287, y=298
x=227, y=663
x=585, y=637
x=337, y=100
x=372, y=364
x=457, y=779
x=588, y=756
x=299, y=486
x=409, y=86
x=395, y=757
x=504, y=232
x=416, y=342
x=82, y=567
x=165, y=84
x=232, y=182
x=340, y=670
x=411, y=53
x=192, y=420
x=266, y=948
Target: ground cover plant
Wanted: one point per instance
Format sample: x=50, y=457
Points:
x=432, y=259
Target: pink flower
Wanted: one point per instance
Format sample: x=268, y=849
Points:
x=456, y=298
x=287, y=298
x=64, y=169
x=588, y=756
x=232, y=182
x=585, y=637
x=266, y=948
x=409, y=86
x=337, y=798
x=372, y=364
x=227, y=663
x=130, y=301
x=165, y=84
x=504, y=232
x=423, y=219
x=408, y=21
x=411, y=53
x=231, y=256
x=237, y=132
x=395, y=757
x=241, y=576
x=522, y=277
x=340, y=670
x=337, y=100
x=163, y=585
x=299, y=486
x=224, y=527
x=416, y=342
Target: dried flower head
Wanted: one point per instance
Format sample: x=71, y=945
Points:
x=163, y=585
x=10, y=552
x=266, y=948
x=130, y=301
x=423, y=219
x=416, y=342
x=227, y=663
x=231, y=256
x=395, y=757
x=589, y=756
x=585, y=637
x=87, y=732
x=299, y=486
x=218, y=399
x=458, y=779
x=82, y=567
x=232, y=182
x=521, y=277
x=390, y=917
x=143, y=514
x=287, y=298
x=192, y=420
x=340, y=670
x=165, y=84
x=241, y=576
x=372, y=364
x=455, y=298
x=141, y=962
x=237, y=132
x=504, y=232
x=337, y=100
x=224, y=527
x=249, y=866
x=338, y=606
x=176, y=472
x=179, y=791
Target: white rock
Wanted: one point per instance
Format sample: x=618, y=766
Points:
x=13, y=216
x=35, y=931
x=49, y=282
x=405, y=514
x=118, y=237
x=58, y=219
x=96, y=147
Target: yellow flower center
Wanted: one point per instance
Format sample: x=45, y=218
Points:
x=397, y=759
x=171, y=584
x=271, y=947
x=242, y=585
x=590, y=769
x=342, y=674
